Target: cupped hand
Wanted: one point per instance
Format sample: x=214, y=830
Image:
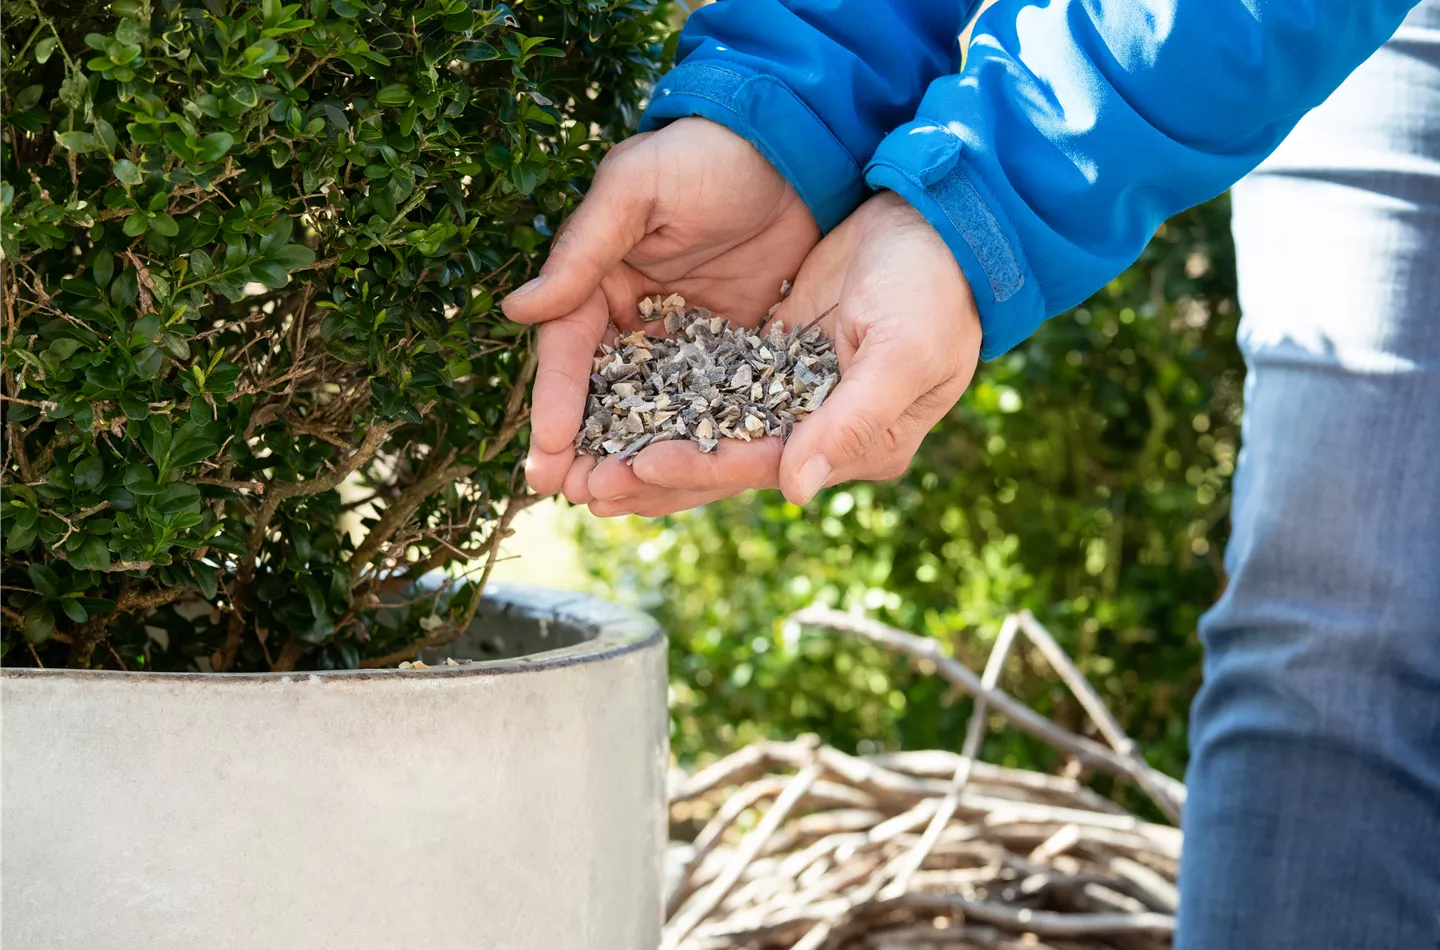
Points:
x=691, y=209
x=908, y=337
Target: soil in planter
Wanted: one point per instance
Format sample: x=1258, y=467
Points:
x=500, y=633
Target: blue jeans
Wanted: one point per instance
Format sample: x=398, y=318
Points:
x=1314, y=813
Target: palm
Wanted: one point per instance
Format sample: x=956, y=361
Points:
x=692, y=209
x=724, y=230
x=904, y=327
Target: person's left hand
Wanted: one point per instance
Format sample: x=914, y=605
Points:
x=908, y=337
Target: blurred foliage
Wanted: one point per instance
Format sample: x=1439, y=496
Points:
x=1085, y=475
x=251, y=249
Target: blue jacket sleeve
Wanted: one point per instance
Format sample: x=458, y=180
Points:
x=1075, y=127
x=813, y=84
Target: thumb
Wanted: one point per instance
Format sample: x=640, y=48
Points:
x=877, y=388
x=611, y=220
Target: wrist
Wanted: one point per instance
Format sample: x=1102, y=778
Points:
x=771, y=117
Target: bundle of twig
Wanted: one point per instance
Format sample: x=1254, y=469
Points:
x=926, y=850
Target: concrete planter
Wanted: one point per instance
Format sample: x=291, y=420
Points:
x=514, y=804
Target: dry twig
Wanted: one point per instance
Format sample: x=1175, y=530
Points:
x=878, y=852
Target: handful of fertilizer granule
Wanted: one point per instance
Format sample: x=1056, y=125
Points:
x=709, y=380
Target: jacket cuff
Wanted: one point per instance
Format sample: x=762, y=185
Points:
x=922, y=163
x=768, y=114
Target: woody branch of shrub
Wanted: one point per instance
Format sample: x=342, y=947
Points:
x=250, y=253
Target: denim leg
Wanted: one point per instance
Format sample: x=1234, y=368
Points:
x=1314, y=813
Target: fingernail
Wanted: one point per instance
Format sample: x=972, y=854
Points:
x=813, y=475
x=529, y=474
x=530, y=286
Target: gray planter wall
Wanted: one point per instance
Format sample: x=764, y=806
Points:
x=515, y=804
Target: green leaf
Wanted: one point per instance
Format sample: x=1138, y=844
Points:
x=44, y=580
x=22, y=413
x=148, y=362
x=201, y=265
x=136, y=224
x=89, y=473
x=126, y=172
x=83, y=288
x=280, y=153
x=207, y=577
x=244, y=92
x=175, y=345
x=39, y=622
x=270, y=274
x=395, y=94
x=143, y=331
x=481, y=300
x=221, y=379
x=63, y=349
x=131, y=32
x=164, y=224
x=477, y=52
x=19, y=537
x=106, y=133
x=96, y=605
x=214, y=146
x=141, y=481
x=347, y=351
x=73, y=609
x=133, y=408
x=28, y=97
x=314, y=595
x=125, y=289
x=382, y=200
x=45, y=49
x=75, y=90
x=195, y=449
x=344, y=9
x=293, y=256
x=523, y=177
x=157, y=436
x=231, y=287
x=81, y=142
x=93, y=555
x=176, y=498
x=104, y=267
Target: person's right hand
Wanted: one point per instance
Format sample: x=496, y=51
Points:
x=691, y=209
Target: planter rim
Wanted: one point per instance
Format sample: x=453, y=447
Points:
x=618, y=631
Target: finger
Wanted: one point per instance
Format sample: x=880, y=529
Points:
x=883, y=380
x=610, y=221
x=733, y=466
x=612, y=479
x=623, y=287
x=906, y=435
x=577, y=481
x=657, y=505
x=545, y=471
x=565, y=349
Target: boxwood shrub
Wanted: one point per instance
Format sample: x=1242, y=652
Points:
x=255, y=383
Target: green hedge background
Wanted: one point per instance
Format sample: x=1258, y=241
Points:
x=1085, y=476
